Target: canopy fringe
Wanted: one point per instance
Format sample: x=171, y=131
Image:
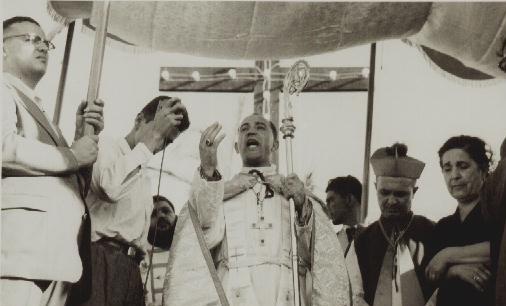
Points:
x=447, y=75
x=56, y=16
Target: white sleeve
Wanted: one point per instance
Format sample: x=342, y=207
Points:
x=206, y=198
x=113, y=173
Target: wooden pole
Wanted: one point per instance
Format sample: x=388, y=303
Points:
x=98, y=58
x=368, y=134
x=63, y=74
x=258, y=98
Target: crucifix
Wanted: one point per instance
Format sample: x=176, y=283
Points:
x=270, y=73
x=260, y=225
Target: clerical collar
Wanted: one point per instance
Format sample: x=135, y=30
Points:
x=266, y=171
x=21, y=86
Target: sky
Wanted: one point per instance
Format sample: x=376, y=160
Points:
x=414, y=103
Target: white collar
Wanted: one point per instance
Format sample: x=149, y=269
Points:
x=338, y=228
x=21, y=86
x=266, y=171
x=342, y=227
x=124, y=146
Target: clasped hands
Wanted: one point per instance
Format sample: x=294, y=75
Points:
x=290, y=187
x=475, y=273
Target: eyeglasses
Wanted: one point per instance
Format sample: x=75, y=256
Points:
x=34, y=39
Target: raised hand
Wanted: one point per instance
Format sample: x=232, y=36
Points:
x=168, y=117
x=208, y=148
x=85, y=150
x=163, y=129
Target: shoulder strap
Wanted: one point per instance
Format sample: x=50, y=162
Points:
x=207, y=257
x=39, y=116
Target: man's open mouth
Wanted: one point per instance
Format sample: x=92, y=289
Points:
x=252, y=143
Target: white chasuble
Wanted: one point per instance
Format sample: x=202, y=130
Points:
x=244, y=244
x=254, y=259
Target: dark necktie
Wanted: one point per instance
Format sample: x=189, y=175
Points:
x=350, y=233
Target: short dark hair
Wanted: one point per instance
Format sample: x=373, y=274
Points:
x=18, y=19
x=160, y=198
x=475, y=147
x=345, y=185
x=150, y=109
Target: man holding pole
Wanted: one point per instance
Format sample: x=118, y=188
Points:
x=245, y=224
x=45, y=228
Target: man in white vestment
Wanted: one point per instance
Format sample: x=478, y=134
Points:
x=248, y=233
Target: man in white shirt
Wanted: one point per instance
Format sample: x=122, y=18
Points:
x=45, y=230
x=344, y=194
x=120, y=201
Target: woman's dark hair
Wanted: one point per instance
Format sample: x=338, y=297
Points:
x=475, y=147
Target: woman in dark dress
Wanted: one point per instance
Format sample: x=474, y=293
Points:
x=459, y=252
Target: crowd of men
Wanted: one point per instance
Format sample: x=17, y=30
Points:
x=88, y=230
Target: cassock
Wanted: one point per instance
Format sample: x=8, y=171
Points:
x=393, y=273
x=249, y=262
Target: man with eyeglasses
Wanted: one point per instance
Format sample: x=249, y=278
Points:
x=45, y=229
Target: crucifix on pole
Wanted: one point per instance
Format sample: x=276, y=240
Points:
x=265, y=81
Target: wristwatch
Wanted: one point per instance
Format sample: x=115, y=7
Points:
x=215, y=177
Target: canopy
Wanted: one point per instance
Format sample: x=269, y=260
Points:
x=467, y=40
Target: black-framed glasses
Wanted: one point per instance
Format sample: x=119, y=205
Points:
x=34, y=39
